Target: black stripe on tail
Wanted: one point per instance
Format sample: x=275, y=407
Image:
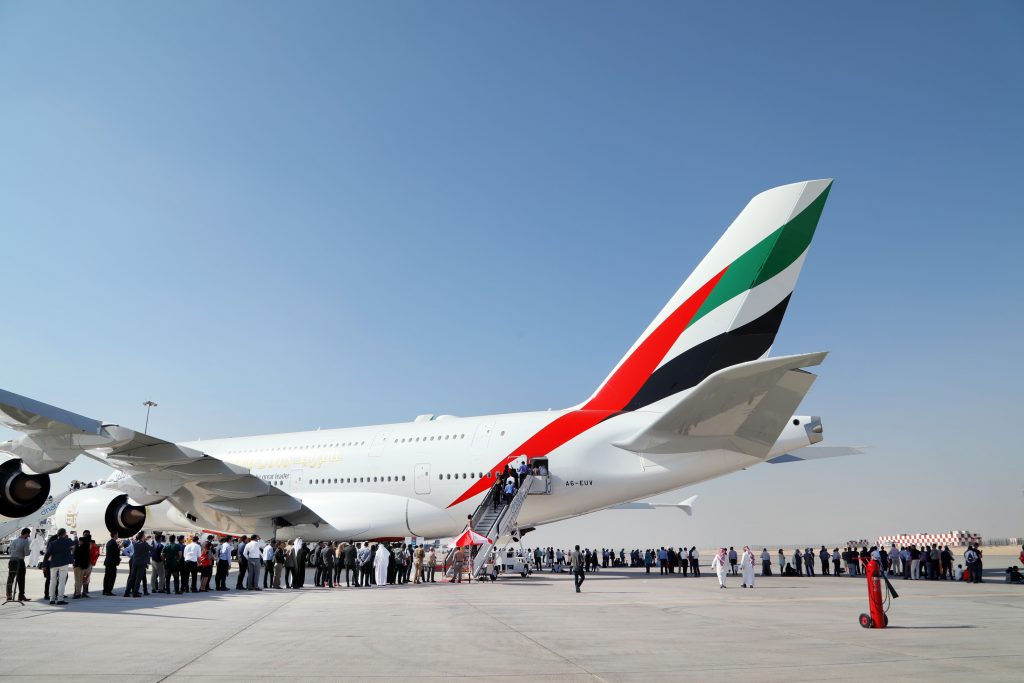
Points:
x=690, y=368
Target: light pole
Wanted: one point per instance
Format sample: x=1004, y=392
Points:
x=149, y=405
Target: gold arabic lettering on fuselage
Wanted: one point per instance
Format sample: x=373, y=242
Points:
x=306, y=461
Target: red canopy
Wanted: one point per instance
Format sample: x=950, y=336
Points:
x=469, y=537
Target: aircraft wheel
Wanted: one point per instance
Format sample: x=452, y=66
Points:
x=865, y=621
x=522, y=574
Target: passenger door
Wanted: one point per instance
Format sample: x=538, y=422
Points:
x=295, y=479
x=421, y=478
x=483, y=435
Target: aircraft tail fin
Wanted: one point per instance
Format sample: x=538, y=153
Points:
x=729, y=309
x=743, y=408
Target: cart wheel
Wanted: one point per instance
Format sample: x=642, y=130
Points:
x=865, y=621
x=885, y=618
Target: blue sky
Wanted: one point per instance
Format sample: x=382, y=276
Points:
x=270, y=217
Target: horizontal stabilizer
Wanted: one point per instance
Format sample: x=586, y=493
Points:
x=685, y=505
x=816, y=453
x=742, y=408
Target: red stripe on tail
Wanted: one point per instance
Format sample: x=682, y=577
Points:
x=613, y=395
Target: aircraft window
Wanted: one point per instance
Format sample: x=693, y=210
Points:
x=440, y=476
x=389, y=478
x=403, y=477
x=472, y=475
x=446, y=437
x=449, y=476
x=503, y=433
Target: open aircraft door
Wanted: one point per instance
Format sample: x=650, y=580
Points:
x=422, y=478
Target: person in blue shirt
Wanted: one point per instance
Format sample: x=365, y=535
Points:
x=59, y=556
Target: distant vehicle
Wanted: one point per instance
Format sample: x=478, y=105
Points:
x=509, y=562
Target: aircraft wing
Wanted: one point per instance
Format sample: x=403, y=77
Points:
x=219, y=495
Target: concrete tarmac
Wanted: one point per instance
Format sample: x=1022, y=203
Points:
x=624, y=626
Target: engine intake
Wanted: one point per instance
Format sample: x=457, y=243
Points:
x=123, y=517
x=21, y=494
x=93, y=509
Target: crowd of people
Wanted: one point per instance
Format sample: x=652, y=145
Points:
x=507, y=483
x=168, y=564
x=908, y=562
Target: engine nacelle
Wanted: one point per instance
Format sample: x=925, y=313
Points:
x=100, y=508
x=21, y=493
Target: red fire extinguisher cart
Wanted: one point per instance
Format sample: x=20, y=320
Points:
x=877, y=601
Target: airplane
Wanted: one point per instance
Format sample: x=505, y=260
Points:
x=696, y=397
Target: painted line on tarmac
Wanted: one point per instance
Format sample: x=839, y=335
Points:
x=225, y=639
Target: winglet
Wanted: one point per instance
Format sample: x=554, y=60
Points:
x=687, y=505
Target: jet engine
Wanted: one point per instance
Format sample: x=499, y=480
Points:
x=100, y=508
x=21, y=494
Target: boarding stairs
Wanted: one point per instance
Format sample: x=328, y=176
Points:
x=498, y=523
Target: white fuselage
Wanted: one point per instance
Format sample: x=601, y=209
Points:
x=421, y=478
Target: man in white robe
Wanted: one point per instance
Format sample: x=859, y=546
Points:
x=720, y=565
x=747, y=567
x=36, y=548
x=380, y=565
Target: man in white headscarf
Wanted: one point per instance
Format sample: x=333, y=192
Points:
x=36, y=548
x=380, y=565
x=747, y=567
x=719, y=565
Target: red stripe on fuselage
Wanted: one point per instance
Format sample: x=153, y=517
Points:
x=613, y=395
